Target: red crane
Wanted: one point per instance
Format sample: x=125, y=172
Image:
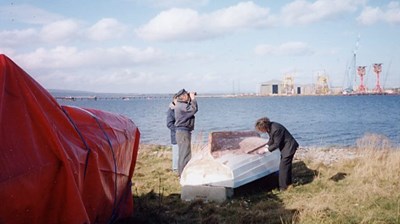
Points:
x=377, y=70
x=361, y=73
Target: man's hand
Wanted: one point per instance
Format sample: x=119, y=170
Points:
x=263, y=150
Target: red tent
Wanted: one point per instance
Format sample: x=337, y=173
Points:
x=61, y=164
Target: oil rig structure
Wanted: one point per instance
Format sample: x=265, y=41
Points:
x=361, y=72
x=322, y=86
x=288, y=85
x=377, y=70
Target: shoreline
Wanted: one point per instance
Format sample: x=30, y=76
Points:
x=324, y=155
x=150, y=96
x=328, y=155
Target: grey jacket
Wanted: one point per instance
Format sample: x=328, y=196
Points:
x=184, y=115
x=171, y=122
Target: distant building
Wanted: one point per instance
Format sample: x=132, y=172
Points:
x=307, y=89
x=322, y=87
x=273, y=87
x=276, y=87
x=288, y=85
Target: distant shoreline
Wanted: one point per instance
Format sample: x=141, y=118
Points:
x=168, y=96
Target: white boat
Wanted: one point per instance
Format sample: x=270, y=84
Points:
x=230, y=160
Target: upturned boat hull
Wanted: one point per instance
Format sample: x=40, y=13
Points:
x=230, y=160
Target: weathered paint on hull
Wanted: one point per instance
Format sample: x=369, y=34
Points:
x=230, y=160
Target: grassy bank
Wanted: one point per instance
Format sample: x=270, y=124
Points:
x=365, y=189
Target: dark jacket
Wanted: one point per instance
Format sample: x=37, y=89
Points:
x=280, y=137
x=171, y=123
x=184, y=115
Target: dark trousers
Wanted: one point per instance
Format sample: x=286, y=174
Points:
x=285, y=171
x=183, y=138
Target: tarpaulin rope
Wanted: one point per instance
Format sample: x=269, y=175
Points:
x=113, y=216
x=83, y=140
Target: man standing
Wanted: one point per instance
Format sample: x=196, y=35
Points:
x=185, y=108
x=279, y=137
x=171, y=126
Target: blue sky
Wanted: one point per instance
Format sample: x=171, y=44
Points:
x=150, y=46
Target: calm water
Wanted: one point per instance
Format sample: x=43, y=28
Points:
x=313, y=120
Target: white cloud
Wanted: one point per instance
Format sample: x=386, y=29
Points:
x=392, y=15
x=369, y=16
x=389, y=14
x=172, y=24
x=27, y=14
x=188, y=24
x=59, y=57
x=304, y=12
x=101, y=69
x=63, y=57
x=174, y=3
x=60, y=31
x=105, y=29
x=124, y=80
x=289, y=48
x=244, y=14
x=13, y=38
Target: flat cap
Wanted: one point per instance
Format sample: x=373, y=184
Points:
x=180, y=92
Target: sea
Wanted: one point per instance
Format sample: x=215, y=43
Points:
x=315, y=121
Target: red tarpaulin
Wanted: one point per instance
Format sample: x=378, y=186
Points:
x=61, y=164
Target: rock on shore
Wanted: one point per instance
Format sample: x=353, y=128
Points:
x=327, y=156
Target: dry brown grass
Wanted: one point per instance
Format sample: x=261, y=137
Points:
x=361, y=190
x=366, y=192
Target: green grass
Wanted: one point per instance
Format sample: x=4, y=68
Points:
x=362, y=190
